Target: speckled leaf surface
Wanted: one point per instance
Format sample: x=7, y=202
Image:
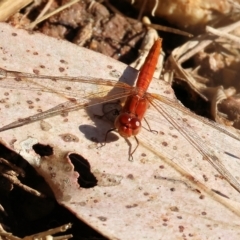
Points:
x=165, y=193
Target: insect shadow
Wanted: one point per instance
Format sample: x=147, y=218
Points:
x=104, y=114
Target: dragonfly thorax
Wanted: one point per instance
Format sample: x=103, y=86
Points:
x=127, y=125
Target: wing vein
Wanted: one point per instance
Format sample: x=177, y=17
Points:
x=197, y=143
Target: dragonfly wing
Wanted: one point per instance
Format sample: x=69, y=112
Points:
x=174, y=104
x=61, y=85
x=73, y=105
x=192, y=137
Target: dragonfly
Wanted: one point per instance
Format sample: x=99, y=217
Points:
x=128, y=123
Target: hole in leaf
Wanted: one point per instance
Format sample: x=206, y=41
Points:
x=42, y=150
x=82, y=166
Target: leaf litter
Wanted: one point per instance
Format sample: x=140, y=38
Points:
x=156, y=181
x=164, y=144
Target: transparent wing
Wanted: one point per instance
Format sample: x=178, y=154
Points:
x=165, y=107
x=82, y=97
x=174, y=104
x=61, y=85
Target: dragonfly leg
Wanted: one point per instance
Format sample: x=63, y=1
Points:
x=130, y=152
x=110, y=111
x=149, y=128
x=106, y=136
x=110, y=115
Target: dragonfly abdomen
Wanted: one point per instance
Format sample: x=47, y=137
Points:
x=146, y=73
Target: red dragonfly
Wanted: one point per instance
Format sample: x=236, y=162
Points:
x=128, y=123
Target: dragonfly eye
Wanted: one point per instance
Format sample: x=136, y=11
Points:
x=135, y=123
x=127, y=125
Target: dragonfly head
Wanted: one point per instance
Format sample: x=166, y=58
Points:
x=127, y=125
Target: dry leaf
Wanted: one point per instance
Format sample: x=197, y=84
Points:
x=8, y=8
x=191, y=15
x=214, y=74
